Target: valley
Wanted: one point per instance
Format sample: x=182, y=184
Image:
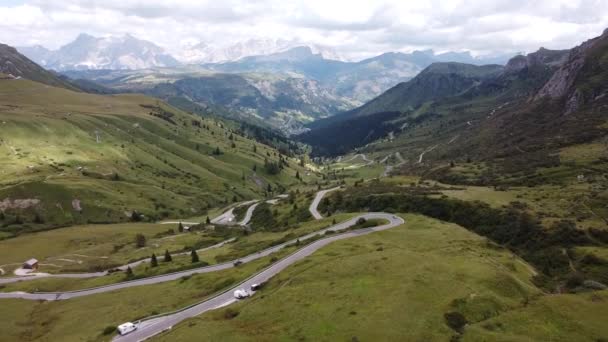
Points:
x=276, y=189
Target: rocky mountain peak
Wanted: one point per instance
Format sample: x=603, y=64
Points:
x=542, y=57
x=561, y=84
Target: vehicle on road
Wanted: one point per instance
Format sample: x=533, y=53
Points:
x=126, y=328
x=241, y=293
x=255, y=287
x=237, y=263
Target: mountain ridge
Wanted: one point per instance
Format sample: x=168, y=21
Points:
x=114, y=52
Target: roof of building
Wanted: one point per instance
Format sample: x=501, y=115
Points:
x=32, y=261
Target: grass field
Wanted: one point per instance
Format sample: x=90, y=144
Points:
x=566, y=318
x=95, y=247
x=393, y=285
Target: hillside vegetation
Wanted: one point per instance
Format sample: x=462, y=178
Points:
x=72, y=158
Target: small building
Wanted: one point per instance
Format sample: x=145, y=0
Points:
x=31, y=264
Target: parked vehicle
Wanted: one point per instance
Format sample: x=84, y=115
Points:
x=241, y=293
x=126, y=328
x=237, y=263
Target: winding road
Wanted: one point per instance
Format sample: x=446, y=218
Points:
x=228, y=216
x=154, y=326
x=157, y=324
x=178, y=275
x=315, y=203
x=248, y=214
x=424, y=152
x=362, y=156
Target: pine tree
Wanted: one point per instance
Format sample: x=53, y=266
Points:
x=168, y=257
x=180, y=228
x=297, y=174
x=153, y=261
x=194, y=256
x=208, y=220
x=129, y=272
x=255, y=149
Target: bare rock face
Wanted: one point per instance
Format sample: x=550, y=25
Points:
x=562, y=81
x=543, y=58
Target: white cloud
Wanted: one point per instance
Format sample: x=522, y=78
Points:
x=355, y=28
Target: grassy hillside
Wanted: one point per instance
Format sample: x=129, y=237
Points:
x=396, y=285
x=16, y=64
x=71, y=158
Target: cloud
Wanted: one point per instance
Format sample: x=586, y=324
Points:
x=355, y=28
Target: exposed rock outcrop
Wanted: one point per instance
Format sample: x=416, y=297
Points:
x=561, y=84
x=542, y=57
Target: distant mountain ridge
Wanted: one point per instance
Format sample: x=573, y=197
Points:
x=203, y=53
x=88, y=52
x=359, y=81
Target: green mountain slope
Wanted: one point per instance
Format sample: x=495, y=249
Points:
x=512, y=128
x=68, y=157
x=14, y=63
x=437, y=81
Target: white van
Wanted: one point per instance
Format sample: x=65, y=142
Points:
x=241, y=293
x=126, y=328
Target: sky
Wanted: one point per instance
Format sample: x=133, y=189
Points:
x=354, y=28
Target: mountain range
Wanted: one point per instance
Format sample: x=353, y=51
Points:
x=204, y=53
x=88, y=52
x=128, y=52
x=515, y=119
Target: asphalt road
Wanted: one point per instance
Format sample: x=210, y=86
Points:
x=317, y=200
x=149, y=328
x=228, y=217
x=178, y=275
x=248, y=214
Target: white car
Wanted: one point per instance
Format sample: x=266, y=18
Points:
x=126, y=328
x=241, y=293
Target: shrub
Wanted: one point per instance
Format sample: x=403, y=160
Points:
x=455, y=320
x=110, y=329
x=230, y=313
x=574, y=280
x=592, y=259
